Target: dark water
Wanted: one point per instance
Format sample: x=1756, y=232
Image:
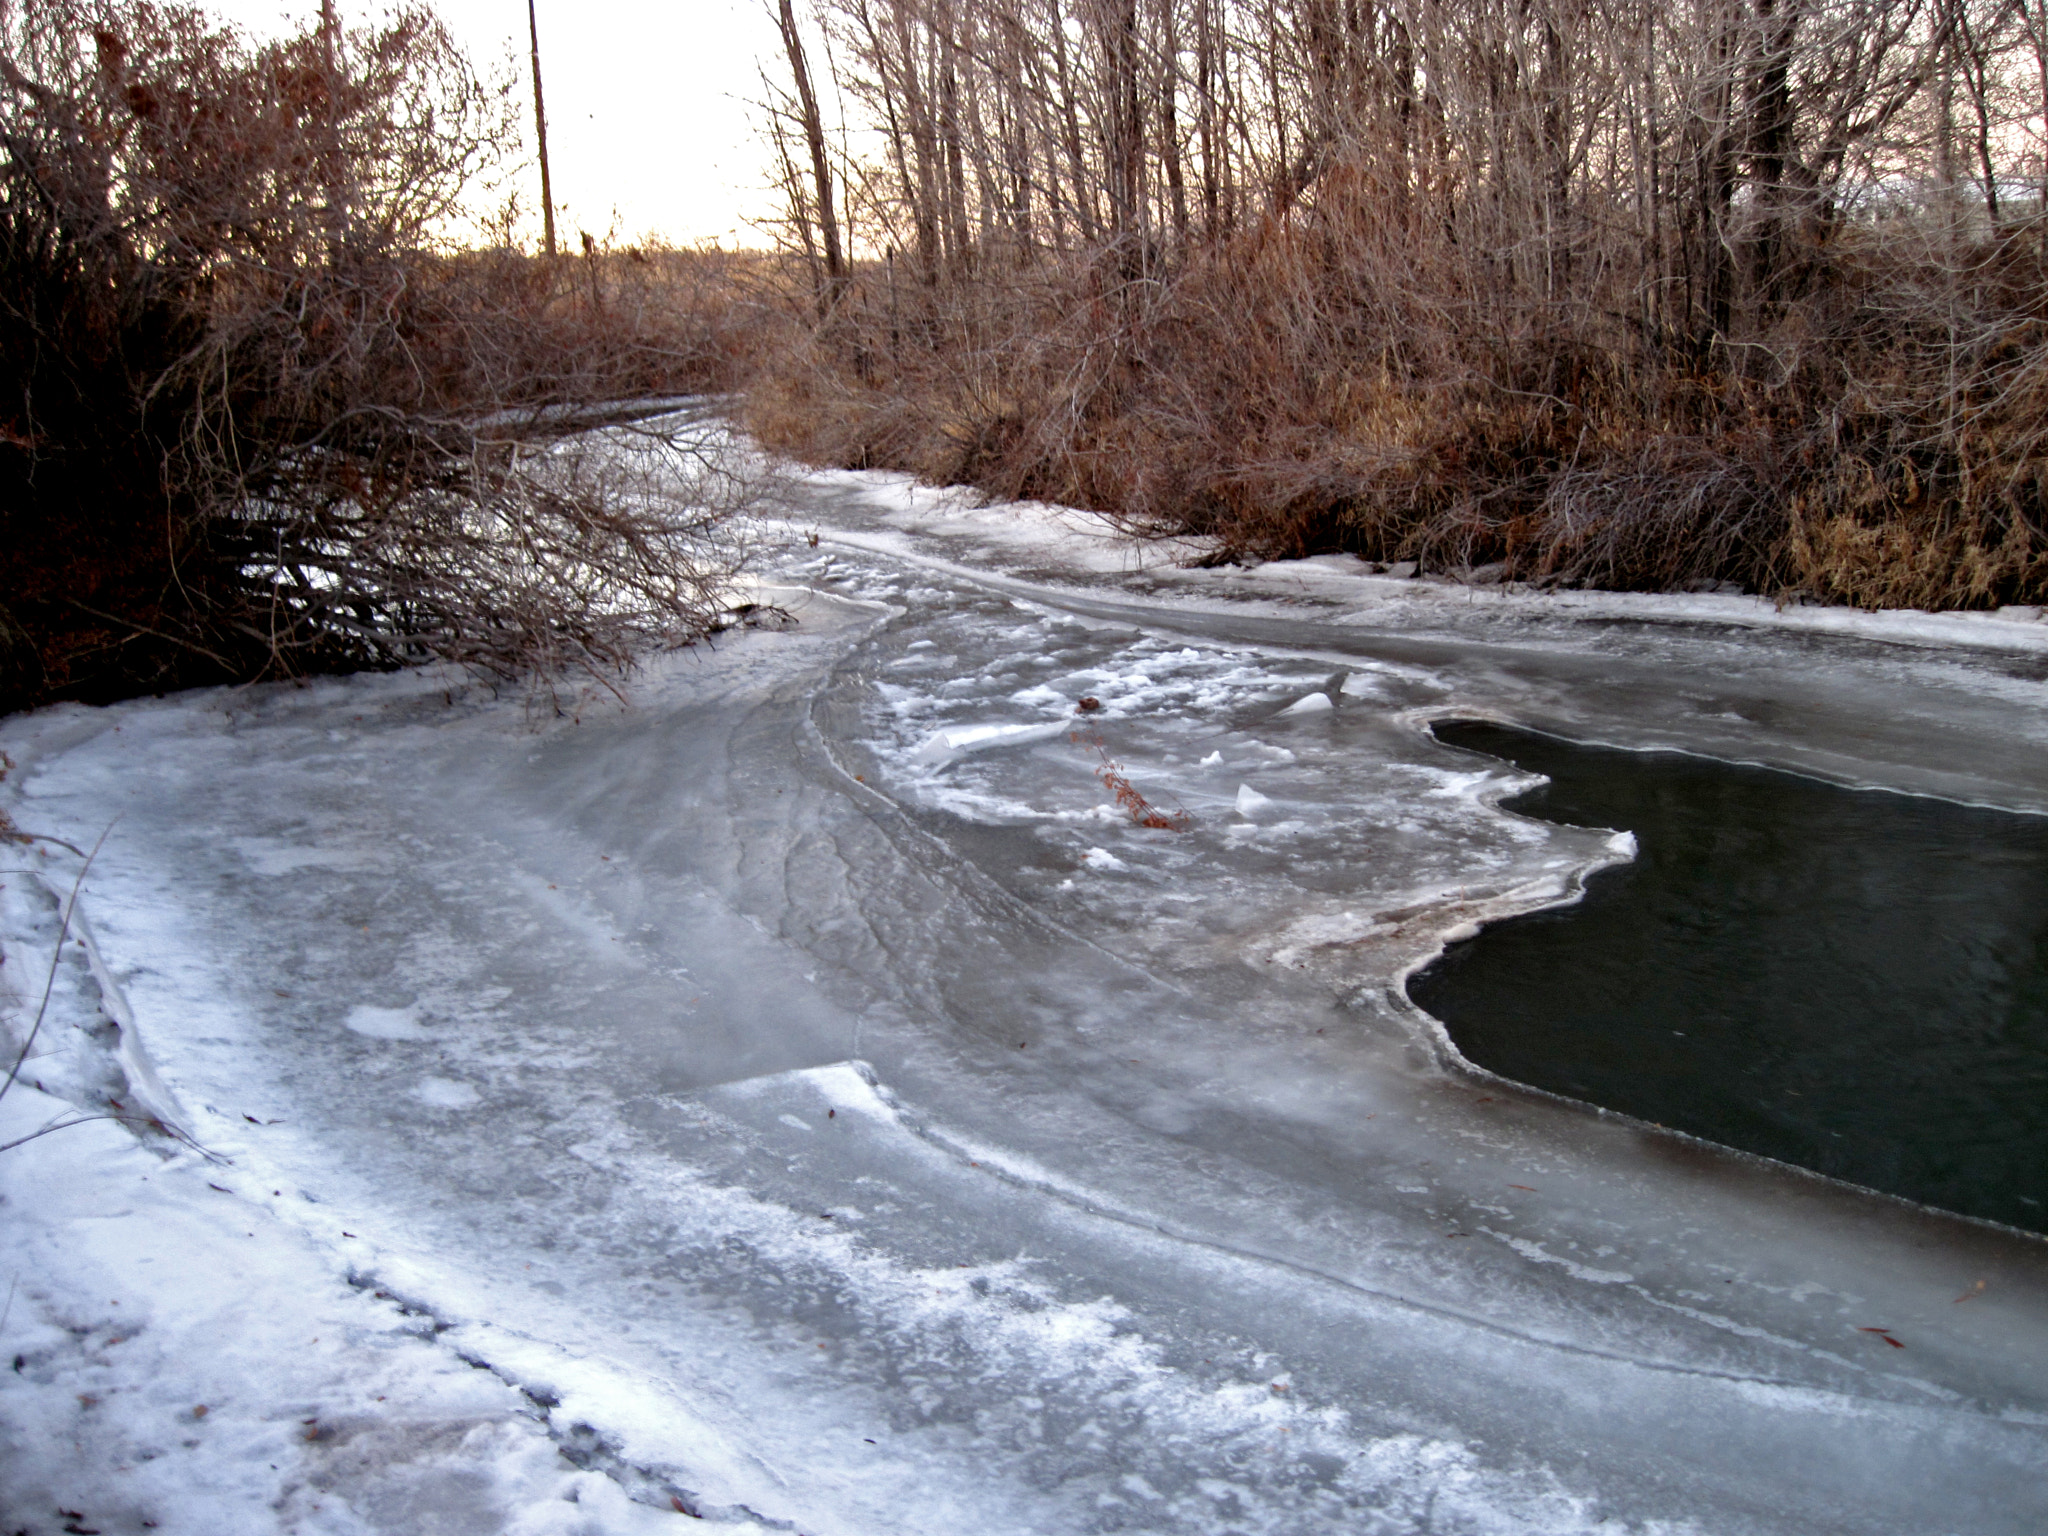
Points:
x=1850, y=980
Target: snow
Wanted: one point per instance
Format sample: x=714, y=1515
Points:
x=186, y=1361
x=444, y=1093
x=386, y=1023
x=803, y=1093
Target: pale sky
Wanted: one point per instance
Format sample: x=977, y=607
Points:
x=649, y=116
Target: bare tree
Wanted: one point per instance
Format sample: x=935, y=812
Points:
x=813, y=124
x=540, y=136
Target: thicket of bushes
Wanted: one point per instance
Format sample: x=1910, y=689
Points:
x=1615, y=293
x=262, y=412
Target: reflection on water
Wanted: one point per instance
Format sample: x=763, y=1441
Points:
x=1854, y=981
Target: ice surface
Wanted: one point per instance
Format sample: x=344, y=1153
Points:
x=812, y=1095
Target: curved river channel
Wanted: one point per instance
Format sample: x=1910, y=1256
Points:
x=834, y=1105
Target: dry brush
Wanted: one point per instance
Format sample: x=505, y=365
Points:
x=1611, y=292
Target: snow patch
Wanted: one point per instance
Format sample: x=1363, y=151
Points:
x=850, y=1085
x=446, y=1093
x=387, y=1023
x=199, y=1366
x=1541, y=1255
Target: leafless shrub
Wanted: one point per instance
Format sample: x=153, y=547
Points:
x=515, y=553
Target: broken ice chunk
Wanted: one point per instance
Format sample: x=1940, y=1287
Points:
x=954, y=741
x=1313, y=704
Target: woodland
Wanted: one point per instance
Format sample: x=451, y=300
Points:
x=1730, y=295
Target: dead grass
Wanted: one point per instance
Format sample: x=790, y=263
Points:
x=1256, y=400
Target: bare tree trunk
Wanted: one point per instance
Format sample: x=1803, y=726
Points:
x=1070, y=122
x=333, y=178
x=834, y=284
x=1124, y=117
x=1169, y=125
x=1208, y=62
x=1770, y=144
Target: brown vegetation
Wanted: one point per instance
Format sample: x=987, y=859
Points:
x=261, y=412
x=1608, y=291
x=1129, y=798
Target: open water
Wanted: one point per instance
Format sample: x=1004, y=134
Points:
x=1855, y=981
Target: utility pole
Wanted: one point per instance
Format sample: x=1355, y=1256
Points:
x=331, y=162
x=540, y=126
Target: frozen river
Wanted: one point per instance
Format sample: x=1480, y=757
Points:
x=830, y=1107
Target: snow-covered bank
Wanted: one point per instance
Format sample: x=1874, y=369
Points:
x=807, y=1095
x=183, y=1361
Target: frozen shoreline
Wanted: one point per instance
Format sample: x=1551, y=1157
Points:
x=1018, y=536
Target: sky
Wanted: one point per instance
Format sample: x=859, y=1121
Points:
x=650, y=123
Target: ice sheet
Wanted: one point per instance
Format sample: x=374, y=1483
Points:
x=818, y=1098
